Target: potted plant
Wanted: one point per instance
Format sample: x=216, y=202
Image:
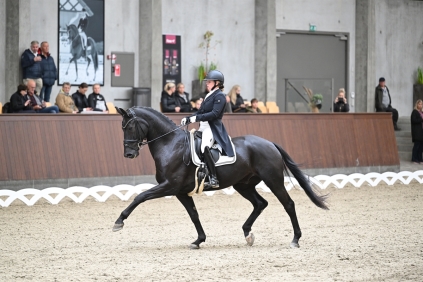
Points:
x=418, y=87
x=207, y=44
x=316, y=100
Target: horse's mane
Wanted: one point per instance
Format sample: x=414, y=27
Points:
x=156, y=113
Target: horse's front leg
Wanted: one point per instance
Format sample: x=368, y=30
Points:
x=70, y=62
x=189, y=205
x=88, y=65
x=158, y=191
x=76, y=69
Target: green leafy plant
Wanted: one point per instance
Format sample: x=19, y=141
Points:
x=419, y=76
x=207, y=44
x=317, y=99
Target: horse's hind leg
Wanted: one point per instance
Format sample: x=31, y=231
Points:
x=249, y=192
x=189, y=205
x=278, y=189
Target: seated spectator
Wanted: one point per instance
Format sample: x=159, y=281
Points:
x=228, y=106
x=168, y=99
x=197, y=105
x=182, y=99
x=237, y=102
x=19, y=102
x=383, y=102
x=96, y=101
x=340, y=103
x=37, y=104
x=81, y=101
x=64, y=100
x=254, y=107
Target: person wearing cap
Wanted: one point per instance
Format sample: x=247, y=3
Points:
x=383, y=101
x=210, y=117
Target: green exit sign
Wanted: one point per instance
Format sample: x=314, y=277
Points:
x=312, y=27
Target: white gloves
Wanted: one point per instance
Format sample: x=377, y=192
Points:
x=188, y=120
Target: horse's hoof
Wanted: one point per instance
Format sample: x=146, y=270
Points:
x=194, y=247
x=117, y=227
x=250, y=239
x=294, y=245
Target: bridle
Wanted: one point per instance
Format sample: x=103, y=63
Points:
x=140, y=143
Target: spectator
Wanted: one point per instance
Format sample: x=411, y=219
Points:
x=383, y=101
x=81, y=101
x=417, y=132
x=197, y=105
x=19, y=102
x=64, y=100
x=31, y=65
x=254, y=107
x=237, y=102
x=228, y=106
x=182, y=98
x=37, y=104
x=168, y=99
x=49, y=71
x=340, y=103
x=96, y=101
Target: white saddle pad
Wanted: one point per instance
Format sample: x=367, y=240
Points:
x=223, y=160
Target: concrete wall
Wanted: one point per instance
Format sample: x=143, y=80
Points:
x=2, y=58
x=231, y=21
x=398, y=49
x=328, y=16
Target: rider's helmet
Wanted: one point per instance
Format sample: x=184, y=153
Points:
x=216, y=76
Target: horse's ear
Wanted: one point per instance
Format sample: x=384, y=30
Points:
x=121, y=111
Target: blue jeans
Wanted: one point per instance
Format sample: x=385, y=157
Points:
x=49, y=110
x=45, y=92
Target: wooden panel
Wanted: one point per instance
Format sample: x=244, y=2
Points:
x=76, y=146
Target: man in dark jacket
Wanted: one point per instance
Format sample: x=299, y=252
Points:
x=383, y=101
x=182, y=99
x=37, y=104
x=81, y=101
x=49, y=71
x=31, y=65
x=19, y=102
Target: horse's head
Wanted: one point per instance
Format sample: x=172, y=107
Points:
x=134, y=132
x=72, y=31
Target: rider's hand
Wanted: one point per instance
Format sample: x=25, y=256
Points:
x=184, y=121
x=192, y=119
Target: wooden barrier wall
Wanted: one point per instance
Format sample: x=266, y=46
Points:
x=63, y=146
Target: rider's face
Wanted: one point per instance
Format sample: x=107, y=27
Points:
x=209, y=85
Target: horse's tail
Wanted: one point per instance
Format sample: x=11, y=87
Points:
x=290, y=165
x=94, y=52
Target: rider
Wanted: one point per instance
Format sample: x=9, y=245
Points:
x=82, y=25
x=210, y=117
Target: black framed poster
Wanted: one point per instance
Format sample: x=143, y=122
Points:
x=171, y=59
x=81, y=42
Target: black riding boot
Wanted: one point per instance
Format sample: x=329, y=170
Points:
x=214, y=183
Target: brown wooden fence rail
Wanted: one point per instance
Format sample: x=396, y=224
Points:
x=35, y=147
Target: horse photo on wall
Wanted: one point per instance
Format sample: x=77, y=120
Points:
x=81, y=42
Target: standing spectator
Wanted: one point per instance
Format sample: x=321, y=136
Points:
x=81, y=101
x=340, y=103
x=182, y=98
x=383, y=101
x=31, y=65
x=38, y=105
x=254, y=107
x=237, y=102
x=197, y=105
x=417, y=132
x=64, y=100
x=96, y=101
x=167, y=100
x=19, y=102
x=49, y=71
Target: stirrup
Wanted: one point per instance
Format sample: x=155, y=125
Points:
x=212, y=183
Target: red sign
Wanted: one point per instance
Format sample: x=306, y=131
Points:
x=170, y=39
x=117, y=70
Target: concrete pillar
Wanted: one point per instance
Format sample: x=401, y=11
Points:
x=151, y=48
x=365, y=75
x=265, y=50
x=11, y=55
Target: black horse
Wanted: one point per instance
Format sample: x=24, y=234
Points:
x=77, y=51
x=257, y=160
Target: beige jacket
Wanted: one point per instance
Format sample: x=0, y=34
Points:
x=65, y=103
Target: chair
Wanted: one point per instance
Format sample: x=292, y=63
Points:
x=273, y=109
x=262, y=107
x=1, y=108
x=48, y=104
x=111, y=107
x=271, y=103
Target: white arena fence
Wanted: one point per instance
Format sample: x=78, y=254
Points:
x=124, y=192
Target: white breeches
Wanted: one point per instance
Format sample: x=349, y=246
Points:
x=207, y=140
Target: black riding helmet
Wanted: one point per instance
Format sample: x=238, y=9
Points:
x=216, y=76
